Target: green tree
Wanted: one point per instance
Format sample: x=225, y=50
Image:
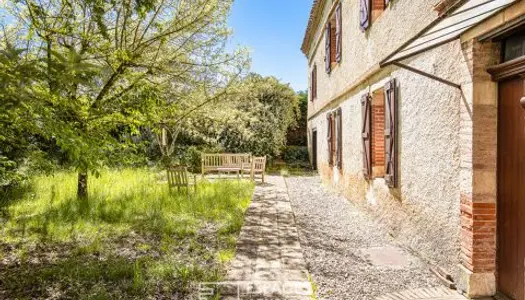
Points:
x=108, y=65
x=255, y=117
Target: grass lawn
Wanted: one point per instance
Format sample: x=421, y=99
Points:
x=131, y=240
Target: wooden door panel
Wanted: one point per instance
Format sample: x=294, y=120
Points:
x=511, y=190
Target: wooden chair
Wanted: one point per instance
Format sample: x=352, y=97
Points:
x=178, y=176
x=258, y=167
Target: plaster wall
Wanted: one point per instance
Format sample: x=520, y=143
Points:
x=362, y=50
x=423, y=213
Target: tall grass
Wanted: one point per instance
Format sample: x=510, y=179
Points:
x=131, y=237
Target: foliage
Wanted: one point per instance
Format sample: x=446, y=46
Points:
x=131, y=239
x=254, y=119
x=105, y=69
x=297, y=135
x=296, y=155
x=192, y=156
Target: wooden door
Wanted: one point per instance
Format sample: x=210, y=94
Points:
x=511, y=189
x=314, y=150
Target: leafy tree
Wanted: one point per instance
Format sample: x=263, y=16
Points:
x=255, y=117
x=297, y=135
x=112, y=67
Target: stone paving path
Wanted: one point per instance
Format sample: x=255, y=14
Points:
x=348, y=255
x=269, y=263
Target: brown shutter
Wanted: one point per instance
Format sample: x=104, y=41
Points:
x=329, y=138
x=338, y=33
x=339, y=138
x=364, y=14
x=390, y=134
x=315, y=82
x=328, y=51
x=366, y=107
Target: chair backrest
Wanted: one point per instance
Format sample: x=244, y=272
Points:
x=259, y=163
x=177, y=176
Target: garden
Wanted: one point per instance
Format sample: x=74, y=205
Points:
x=98, y=100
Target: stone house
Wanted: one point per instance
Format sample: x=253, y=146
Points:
x=414, y=113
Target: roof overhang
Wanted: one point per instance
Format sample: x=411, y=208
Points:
x=448, y=28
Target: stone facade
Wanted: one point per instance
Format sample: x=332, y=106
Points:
x=444, y=207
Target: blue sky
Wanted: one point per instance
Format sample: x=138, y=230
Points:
x=273, y=30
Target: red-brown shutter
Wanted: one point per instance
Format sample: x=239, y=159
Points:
x=328, y=51
x=364, y=14
x=339, y=138
x=315, y=82
x=329, y=138
x=366, y=107
x=391, y=134
x=338, y=33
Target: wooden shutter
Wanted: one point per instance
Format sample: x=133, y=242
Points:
x=339, y=138
x=390, y=134
x=364, y=14
x=338, y=33
x=314, y=82
x=328, y=48
x=329, y=138
x=366, y=107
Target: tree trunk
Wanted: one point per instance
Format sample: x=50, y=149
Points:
x=82, y=187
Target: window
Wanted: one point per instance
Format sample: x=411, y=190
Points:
x=369, y=11
x=335, y=138
x=378, y=6
x=313, y=83
x=379, y=133
x=333, y=40
x=514, y=46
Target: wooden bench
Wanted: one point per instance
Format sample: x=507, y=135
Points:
x=225, y=163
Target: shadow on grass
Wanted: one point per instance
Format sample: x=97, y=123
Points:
x=112, y=277
x=132, y=238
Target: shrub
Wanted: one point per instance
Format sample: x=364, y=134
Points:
x=296, y=155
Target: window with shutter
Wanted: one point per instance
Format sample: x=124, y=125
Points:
x=338, y=33
x=364, y=14
x=328, y=51
x=390, y=134
x=378, y=134
x=313, y=84
x=339, y=125
x=329, y=138
x=366, y=135
x=378, y=6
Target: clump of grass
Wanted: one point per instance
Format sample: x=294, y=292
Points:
x=131, y=238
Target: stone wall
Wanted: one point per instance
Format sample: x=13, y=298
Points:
x=445, y=205
x=361, y=51
x=424, y=212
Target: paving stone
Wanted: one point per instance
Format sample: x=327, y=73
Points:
x=269, y=263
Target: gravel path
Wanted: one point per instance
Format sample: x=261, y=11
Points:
x=347, y=254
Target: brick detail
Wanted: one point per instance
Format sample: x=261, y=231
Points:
x=478, y=136
x=378, y=6
x=378, y=129
x=478, y=235
x=333, y=38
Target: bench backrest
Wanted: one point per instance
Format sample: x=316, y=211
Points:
x=224, y=160
x=177, y=176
